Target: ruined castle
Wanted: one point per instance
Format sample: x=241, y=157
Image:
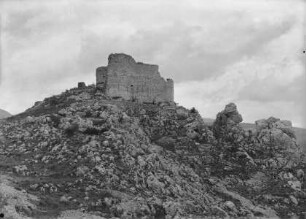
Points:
x=131, y=80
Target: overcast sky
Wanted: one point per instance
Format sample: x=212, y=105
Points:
x=245, y=51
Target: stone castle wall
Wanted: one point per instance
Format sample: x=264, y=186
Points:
x=123, y=77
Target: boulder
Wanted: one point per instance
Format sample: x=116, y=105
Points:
x=167, y=143
x=154, y=183
x=270, y=123
x=300, y=174
x=294, y=200
x=21, y=170
x=261, y=124
x=295, y=185
x=279, y=134
x=230, y=108
x=230, y=205
x=29, y=119
x=182, y=113
x=219, y=212
x=82, y=171
x=229, y=116
x=227, y=122
x=286, y=127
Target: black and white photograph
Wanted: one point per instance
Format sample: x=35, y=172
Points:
x=147, y=109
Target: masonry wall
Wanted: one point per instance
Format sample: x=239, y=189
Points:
x=134, y=81
x=101, y=78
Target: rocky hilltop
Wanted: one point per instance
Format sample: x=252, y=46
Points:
x=81, y=154
x=4, y=114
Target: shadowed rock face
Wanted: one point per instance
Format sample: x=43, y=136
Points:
x=229, y=116
x=280, y=133
x=227, y=120
x=274, y=124
x=231, y=113
x=4, y=114
x=131, y=80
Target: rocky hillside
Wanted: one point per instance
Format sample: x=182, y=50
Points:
x=4, y=114
x=81, y=154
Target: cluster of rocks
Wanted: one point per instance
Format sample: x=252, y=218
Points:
x=226, y=125
x=229, y=116
x=115, y=158
x=279, y=131
x=273, y=159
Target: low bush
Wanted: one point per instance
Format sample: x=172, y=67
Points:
x=55, y=120
x=72, y=129
x=193, y=110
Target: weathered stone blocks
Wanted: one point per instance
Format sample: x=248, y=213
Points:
x=131, y=80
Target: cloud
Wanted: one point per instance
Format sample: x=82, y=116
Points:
x=210, y=97
x=216, y=52
x=177, y=46
x=268, y=82
x=261, y=88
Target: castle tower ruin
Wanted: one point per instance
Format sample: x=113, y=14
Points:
x=131, y=80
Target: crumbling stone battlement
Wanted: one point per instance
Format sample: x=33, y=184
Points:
x=131, y=80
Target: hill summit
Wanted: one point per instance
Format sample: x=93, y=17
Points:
x=124, y=149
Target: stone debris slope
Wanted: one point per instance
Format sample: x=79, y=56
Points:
x=81, y=154
x=13, y=201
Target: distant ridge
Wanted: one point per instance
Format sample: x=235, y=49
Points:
x=4, y=114
x=208, y=121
